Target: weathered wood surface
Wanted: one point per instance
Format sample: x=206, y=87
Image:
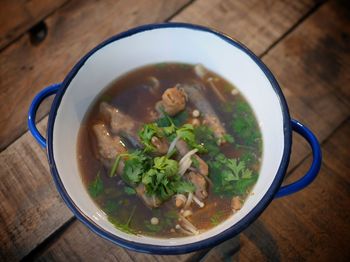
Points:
x=80, y=25
x=30, y=207
x=267, y=20
x=17, y=16
x=312, y=65
x=24, y=230
x=73, y=30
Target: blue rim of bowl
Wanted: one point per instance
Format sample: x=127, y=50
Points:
x=206, y=243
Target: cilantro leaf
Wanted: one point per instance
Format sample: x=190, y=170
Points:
x=230, y=176
x=184, y=187
x=146, y=133
x=244, y=124
x=186, y=132
x=125, y=227
x=96, y=186
x=228, y=138
x=217, y=217
x=110, y=206
x=136, y=164
x=129, y=190
x=205, y=136
x=159, y=180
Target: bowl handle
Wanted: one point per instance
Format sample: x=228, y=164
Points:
x=315, y=166
x=38, y=99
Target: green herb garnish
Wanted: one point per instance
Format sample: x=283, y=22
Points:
x=176, y=121
x=244, y=125
x=113, y=170
x=129, y=190
x=125, y=227
x=230, y=176
x=96, y=186
x=136, y=165
x=195, y=162
x=205, y=136
x=110, y=207
x=228, y=138
x=146, y=133
x=217, y=218
x=186, y=132
x=153, y=228
x=158, y=179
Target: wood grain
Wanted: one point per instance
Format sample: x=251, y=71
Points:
x=311, y=225
x=16, y=17
x=30, y=207
x=257, y=24
x=72, y=31
x=312, y=65
x=28, y=69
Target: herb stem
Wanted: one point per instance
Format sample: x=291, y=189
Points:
x=131, y=215
x=245, y=146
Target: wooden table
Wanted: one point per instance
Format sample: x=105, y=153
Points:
x=306, y=45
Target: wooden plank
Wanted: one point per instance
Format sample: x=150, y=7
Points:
x=72, y=31
x=310, y=225
x=26, y=70
x=29, y=200
x=338, y=151
x=30, y=208
x=257, y=24
x=16, y=17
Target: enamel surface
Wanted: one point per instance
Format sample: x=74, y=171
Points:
x=166, y=45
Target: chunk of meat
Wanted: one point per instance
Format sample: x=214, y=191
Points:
x=108, y=146
x=216, y=126
x=196, y=96
x=202, y=166
x=121, y=123
x=173, y=100
x=118, y=120
x=200, y=183
x=150, y=201
x=236, y=203
x=161, y=145
x=182, y=148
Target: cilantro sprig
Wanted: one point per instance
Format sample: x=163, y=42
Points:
x=163, y=180
x=147, y=132
x=96, y=186
x=230, y=176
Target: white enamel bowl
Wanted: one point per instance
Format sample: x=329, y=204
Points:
x=172, y=42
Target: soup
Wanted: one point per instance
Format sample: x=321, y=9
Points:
x=169, y=150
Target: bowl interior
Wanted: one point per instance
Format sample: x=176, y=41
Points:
x=165, y=45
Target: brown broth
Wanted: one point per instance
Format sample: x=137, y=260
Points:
x=130, y=93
